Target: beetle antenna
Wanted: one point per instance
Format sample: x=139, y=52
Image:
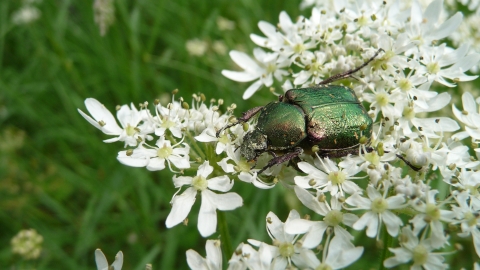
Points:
x=245, y=117
x=348, y=73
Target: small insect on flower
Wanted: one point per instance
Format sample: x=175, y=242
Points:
x=327, y=117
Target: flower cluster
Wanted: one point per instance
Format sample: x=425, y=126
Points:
x=28, y=244
x=28, y=13
x=370, y=191
x=159, y=140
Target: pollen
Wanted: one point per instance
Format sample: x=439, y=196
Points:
x=382, y=99
x=286, y=250
x=199, y=183
x=432, y=211
x=333, y=218
x=165, y=151
x=379, y=205
x=130, y=130
x=337, y=177
x=420, y=255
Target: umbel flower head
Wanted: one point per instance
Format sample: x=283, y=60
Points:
x=28, y=244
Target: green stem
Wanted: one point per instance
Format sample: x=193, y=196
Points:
x=387, y=239
x=224, y=235
x=192, y=142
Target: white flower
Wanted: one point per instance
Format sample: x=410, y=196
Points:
x=245, y=256
x=26, y=14
x=425, y=27
x=315, y=230
x=285, y=250
x=196, y=47
x=339, y=254
x=470, y=116
x=469, y=218
x=224, y=141
x=104, y=121
x=213, y=260
x=431, y=214
x=169, y=118
x=420, y=251
x=334, y=181
x=378, y=213
x=102, y=263
x=154, y=157
x=207, y=218
x=382, y=101
x=243, y=168
x=442, y=65
x=264, y=71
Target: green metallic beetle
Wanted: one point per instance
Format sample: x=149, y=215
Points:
x=329, y=117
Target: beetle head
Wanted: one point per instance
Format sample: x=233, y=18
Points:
x=254, y=144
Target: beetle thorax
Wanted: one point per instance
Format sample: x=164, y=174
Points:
x=254, y=144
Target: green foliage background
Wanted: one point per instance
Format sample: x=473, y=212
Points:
x=56, y=174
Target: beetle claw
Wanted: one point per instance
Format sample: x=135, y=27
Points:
x=280, y=159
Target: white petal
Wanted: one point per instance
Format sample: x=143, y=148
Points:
x=182, y=204
x=301, y=78
x=101, y=260
x=240, y=76
x=118, y=263
x=275, y=226
x=432, y=12
x=205, y=169
x=260, y=41
x=310, y=201
x=227, y=201
x=448, y=27
x=437, y=124
x=226, y=167
x=469, y=104
x=252, y=89
x=395, y=202
x=476, y=240
x=127, y=116
x=207, y=217
x=182, y=180
x=315, y=235
x=207, y=135
x=220, y=183
x=268, y=29
x=214, y=253
x=195, y=261
x=342, y=253
x=89, y=119
x=392, y=222
x=131, y=161
x=180, y=162
x=474, y=133
x=156, y=164
x=100, y=113
x=243, y=60
x=298, y=226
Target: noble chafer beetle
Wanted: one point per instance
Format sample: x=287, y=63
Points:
x=328, y=117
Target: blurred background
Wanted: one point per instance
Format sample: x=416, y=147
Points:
x=56, y=174
x=58, y=177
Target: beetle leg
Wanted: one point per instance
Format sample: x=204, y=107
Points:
x=245, y=117
x=347, y=73
x=415, y=168
x=272, y=153
x=280, y=159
